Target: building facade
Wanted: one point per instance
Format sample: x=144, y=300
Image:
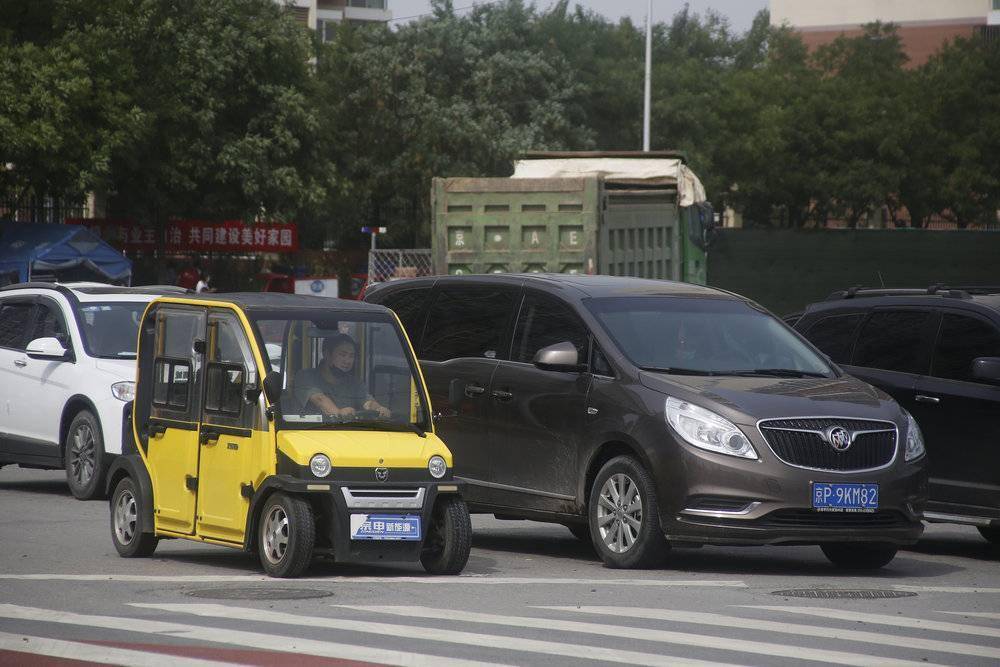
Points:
x=924, y=25
x=324, y=15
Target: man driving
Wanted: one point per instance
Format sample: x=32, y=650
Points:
x=332, y=387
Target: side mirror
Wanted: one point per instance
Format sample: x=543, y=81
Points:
x=46, y=348
x=272, y=386
x=986, y=369
x=558, y=357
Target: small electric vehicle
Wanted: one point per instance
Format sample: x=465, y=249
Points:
x=288, y=426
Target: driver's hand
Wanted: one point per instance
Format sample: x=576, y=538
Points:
x=345, y=412
x=382, y=411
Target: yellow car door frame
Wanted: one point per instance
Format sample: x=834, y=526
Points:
x=173, y=423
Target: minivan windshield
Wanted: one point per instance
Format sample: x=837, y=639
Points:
x=348, y=371
x=690, y=336
x=111, y=329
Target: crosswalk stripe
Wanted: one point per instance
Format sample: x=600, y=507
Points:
x=723, y=621
x=974, y=614
x=945, y=589
x=886, y=619
x=237, y=637
x=619, y=631
x=504, y=642
x=59, y=648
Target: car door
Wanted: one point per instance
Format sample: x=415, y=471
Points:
x=466, y=335
x=172, y=428
x=15, y=318
x=960, y=415
x=48, y=383
x=537, y=416
x=232, y=437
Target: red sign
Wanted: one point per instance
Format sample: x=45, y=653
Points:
x=196, y=235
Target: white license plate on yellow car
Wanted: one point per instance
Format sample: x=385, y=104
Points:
x=385, y=527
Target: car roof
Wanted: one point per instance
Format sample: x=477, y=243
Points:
x=859, y=298
x=258, y=301
x=89, y=291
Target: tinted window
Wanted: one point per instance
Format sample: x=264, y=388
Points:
x=467, y=322
x=962, y=339
x=543, y=322
x=892, y=340
x=834, y=336
x=48, y=323
x=411, y=306
x=600, y=365
x=14, y=319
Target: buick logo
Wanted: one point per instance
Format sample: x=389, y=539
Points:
x=839, y=438
x=381, y=474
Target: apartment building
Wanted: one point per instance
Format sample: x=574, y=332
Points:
x=924, y=25
x=324, y=15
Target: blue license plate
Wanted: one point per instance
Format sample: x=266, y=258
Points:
x=844, y=497
x=385, y=527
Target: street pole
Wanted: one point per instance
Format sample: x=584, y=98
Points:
x=649, y=67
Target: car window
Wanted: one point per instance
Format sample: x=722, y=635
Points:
x=229, y=371
x=600, y=365
x=961, y=340
x=110, y=329
x=543, y=322
x=48, y=323
x=834, y=336
x=176, y=367
x=467, y=322
x=411, y=307
x=14, y=320
x=892, y=340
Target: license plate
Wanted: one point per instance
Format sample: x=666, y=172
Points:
x=385, y=527
x=844, y=497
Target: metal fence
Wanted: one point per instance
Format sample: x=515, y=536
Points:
x=389, y=264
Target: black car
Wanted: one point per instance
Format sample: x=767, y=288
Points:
x=641, y=413
x=937, y=352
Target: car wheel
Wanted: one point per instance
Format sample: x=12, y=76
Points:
x=83, y=451
x=859, y=555
x=581, y=531
x=624, y=516
x=126, y=533
x=449, y=537
x=991, y=534
x=287, y=536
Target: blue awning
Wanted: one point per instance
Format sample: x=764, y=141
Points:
x=33, y=250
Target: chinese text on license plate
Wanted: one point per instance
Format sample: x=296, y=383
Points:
x=844, y=497
x=385, y=527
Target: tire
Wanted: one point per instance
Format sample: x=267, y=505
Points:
x=581, y=531
x=859, y=555
x=83, y=454
x=626, y=538
x=286, y=536
x=126, y=508
x=449, y=537
x=991, y=534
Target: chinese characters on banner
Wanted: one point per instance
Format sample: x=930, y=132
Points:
x=196, y=235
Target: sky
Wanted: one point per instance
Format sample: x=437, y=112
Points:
x=739, y=12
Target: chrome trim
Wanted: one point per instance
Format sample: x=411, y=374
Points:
x=895, y=450
x=722, y=514
x=516, y=489
x=940, y=517
x=381, y=497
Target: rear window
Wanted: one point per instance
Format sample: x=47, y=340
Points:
x=410, y=305
x=834, y=336
x=893, y=340
x=468, y=322
x=963, y=339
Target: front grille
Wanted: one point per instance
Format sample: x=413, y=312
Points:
x=389, y=497
x=797, y=442
x=803, y=518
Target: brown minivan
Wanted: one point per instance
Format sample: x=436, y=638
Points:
x=641, y=413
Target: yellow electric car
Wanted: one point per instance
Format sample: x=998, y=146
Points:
x=288, y=426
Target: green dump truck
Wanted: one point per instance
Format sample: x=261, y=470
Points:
x=619, y=214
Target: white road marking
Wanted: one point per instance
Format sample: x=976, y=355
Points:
x=722, y=621
x=237, y=637
x=504, y=642
x=644, y=634
x=945, y=589
x=396, y=581
x=58, y=648
x=886, y=619
x=974, y=614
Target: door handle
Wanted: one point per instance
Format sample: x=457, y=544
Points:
x=920, y=398
x=20, y=363
x=501, y=395
x=155, y=430
x=472, y=390
x=208, y=437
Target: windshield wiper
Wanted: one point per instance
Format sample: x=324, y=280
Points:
x=673, y=370
x=776, y=372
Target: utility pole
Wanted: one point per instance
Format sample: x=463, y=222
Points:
x=649, y=67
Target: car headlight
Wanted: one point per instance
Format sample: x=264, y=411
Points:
x=437, y=467
x=706, y=430
x=320, y=465
x=914, y=439
x=123, y=391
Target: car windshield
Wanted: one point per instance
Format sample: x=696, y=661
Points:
x=687, y=336
x=343, y=372
x=111, y=329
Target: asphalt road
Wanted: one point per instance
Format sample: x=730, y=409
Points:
x=531, y=594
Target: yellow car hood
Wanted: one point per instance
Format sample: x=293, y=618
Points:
x=363, y=449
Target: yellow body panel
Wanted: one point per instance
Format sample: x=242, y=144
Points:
x=225, y=464
x=363, y=449
x=173, y=457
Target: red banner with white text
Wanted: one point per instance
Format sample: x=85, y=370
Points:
x=232, y=236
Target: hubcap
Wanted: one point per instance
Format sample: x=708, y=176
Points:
x=125, y=517
x=619, y=513
x=275, y=534
x=81, y=455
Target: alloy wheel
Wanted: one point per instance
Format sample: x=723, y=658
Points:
x=619, y=513
x=125, y=517
x=275, y=534
x=81, y=455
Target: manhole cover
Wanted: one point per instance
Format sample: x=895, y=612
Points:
x=855, y=594
x=259, y=593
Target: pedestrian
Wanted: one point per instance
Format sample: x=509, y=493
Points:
x=204, y=284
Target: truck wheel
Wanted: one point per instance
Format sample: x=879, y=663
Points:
x=581, y=531
x=992, y=534
x=859, y=555
x=83, y=452
x=624, y=518
x=449, y=537
x=287, y=536
x=126, y=508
